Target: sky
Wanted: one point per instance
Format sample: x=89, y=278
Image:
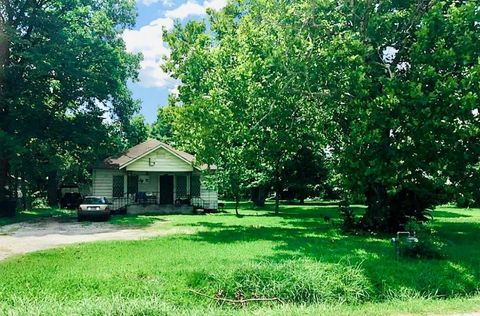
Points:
x=154, y=85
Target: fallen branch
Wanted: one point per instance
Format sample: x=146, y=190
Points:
x=241, y=301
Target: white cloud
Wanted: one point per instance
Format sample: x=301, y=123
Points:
x=186, y=9
x=148, y=41
x=192, y=8
x=215, y=4
x=167, y=3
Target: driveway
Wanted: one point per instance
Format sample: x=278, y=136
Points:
x=27, y=237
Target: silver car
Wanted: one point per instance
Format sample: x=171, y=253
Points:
x=94, y=206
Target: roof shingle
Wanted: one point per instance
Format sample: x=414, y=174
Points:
x=120, y=160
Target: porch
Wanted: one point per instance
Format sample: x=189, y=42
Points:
x=157, y=192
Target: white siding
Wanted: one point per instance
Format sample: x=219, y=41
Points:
x=102, y=182
x=160, y=160
x=210, y=196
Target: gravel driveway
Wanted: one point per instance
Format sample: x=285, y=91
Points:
x=27, y=237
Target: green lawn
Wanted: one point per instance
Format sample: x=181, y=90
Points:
x=296, y=257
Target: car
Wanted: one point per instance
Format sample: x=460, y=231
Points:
x=71, y=200
x=94, y=206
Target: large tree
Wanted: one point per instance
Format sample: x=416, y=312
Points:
x=242, y=99
x=390, y=87
x=408, y=128
x=63, y=72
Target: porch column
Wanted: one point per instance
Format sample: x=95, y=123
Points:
x=174, y=187
x=125, y=185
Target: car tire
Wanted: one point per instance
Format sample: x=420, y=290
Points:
x=80, y=218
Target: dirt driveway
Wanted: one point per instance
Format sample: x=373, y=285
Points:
x=27, y=237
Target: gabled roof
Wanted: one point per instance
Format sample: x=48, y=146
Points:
x=131, y=155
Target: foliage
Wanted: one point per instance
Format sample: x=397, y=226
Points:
x=266, y=80
x=137, y=131
x=466, y=192
x=408, y=124
x=241, y=98
x=162, y=127
x=306, y=173
x=63, y=72
x=429, y=246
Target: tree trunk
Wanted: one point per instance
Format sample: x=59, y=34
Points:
x=3, y=173
x=277, y=201
x=4, y=58
x=259, y=195
x=237, y=202
x=24, y=191
x=377, y=210
x=52, y=187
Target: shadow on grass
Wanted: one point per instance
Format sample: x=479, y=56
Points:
x=445, y=214
x=311, y=203
x=303, y=234
x=37, y=214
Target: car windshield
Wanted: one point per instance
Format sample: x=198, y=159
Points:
x=94, y=200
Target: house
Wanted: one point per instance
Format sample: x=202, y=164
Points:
x=154, y=177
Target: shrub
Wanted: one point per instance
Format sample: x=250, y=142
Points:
x=429, y=246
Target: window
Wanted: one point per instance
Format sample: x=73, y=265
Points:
x=132, y=184
x=94, y=200
x=118, y=188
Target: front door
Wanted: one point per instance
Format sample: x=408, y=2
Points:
x=166, y=189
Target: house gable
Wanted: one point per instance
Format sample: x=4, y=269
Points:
x=161, y=160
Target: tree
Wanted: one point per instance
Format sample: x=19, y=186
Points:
x=63, y=68
x=412, y=130
x=384, y=85
x=306, y=173
x=162, y=127
x=137, y=131
x=241, y=106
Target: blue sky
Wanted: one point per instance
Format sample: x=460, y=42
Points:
x=153, y=15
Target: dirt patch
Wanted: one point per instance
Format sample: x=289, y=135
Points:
x=27, y=237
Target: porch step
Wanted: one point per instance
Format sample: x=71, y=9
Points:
x=159, y=209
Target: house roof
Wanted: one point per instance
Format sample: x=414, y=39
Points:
x=136, y=152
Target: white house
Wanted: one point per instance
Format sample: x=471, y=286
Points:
x=154, y=177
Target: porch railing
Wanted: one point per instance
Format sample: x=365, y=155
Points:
x=152, y=198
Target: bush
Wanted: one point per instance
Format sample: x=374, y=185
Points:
x=296, y=281
x=429, y=246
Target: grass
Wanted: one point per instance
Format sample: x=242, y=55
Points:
x=296, y=256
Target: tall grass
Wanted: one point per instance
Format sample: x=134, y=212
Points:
x=294, y=281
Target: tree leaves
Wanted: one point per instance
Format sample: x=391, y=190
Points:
x=66, y=72
x=389, y=87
